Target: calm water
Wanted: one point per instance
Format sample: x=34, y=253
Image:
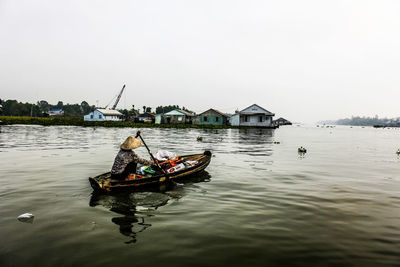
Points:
x=258, y=204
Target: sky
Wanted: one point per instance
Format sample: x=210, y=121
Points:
x=303, y=60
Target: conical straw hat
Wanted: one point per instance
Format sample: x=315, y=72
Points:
x=131, y=143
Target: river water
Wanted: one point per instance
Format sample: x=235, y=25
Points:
x=258, y=203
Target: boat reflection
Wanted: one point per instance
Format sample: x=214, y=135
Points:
x=126, y=226
x=132, y=209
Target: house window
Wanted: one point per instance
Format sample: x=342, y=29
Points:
x=260, y=119
x=216, y=119
x=99, y=116
x=246, y=118
x=205, y=118
x=91, y=116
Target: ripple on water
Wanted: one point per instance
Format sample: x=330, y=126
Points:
x=258, y=203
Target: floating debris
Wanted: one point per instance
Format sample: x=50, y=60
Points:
x=26, y=217
x=277, y=142
x=199, y=138
x=398, y=151
x=302, y=150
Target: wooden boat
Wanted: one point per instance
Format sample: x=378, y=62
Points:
x=103, y=182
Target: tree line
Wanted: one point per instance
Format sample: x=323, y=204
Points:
x=363, y=121
x=40, y=109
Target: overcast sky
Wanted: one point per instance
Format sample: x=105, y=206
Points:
x=303, y=60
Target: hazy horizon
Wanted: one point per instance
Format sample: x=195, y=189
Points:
x=306, y=61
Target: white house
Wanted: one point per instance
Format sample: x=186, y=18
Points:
x=253, y=116
x=104, y=115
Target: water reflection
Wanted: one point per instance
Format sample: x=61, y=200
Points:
x=255, y=136
x=337, y=206
x=132, y=209
x=255, y=142
x=302, y=155
x=126, y=225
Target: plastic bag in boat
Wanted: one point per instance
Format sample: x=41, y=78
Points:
x=163, y=155
x=176, y=168
x=145, y=169
x=191, y=163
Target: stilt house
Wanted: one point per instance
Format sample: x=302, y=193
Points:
x=253, y=116
x=212, y=117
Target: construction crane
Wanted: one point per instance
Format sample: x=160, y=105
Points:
x=118, y=98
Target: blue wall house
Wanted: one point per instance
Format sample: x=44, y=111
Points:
x=253, y=116
x=178, y=116
x=159, y=119
x=212, y=117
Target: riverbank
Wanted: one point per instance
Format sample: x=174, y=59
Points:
x=78, y=121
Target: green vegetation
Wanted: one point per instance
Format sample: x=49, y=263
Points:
x=15, y=108
x=165, y=109
x=129, y=114
x=78, y=121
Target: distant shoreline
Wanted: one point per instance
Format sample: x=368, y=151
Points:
x=77, y=121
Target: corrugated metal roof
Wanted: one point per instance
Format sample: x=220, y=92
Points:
x=266, y=112
x=110, y=112
x=217, y=111
x=146, y=115
x=187, y=113
x=179, y=112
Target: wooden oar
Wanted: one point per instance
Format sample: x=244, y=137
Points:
x=151, y=155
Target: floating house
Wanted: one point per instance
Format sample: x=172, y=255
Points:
x=178, y=116
x=253, y=116
x=146, y=117
x=133, y=117
x=54, y=112
x=159, y=119
x=212, y=117
x=104, y=115
x=281, y=121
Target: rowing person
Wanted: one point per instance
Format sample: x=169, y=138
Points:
x=126, y=160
